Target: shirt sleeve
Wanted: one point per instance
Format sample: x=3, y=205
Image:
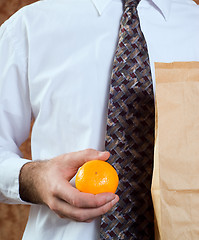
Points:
x=15, y=108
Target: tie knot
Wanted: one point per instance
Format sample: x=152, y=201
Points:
x=130, y=3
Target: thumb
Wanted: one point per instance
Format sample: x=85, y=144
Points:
x=77, y=159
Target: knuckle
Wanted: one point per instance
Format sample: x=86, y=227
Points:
x=52, y=205
x=79, y=216
x=61, y=216
x=106, y=208
x=97, y=202
x=73, y=201
x=65, y=157
x=82, y=218
x=76, y=202
x=91, y=151
x=53, y=189
x=88, y=151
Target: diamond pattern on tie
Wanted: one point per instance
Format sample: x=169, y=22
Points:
x=130, y=133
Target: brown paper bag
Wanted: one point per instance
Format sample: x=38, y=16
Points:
x=175, y=186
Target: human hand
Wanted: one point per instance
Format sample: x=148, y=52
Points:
x=47, y=182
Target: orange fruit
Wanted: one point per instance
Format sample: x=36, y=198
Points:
x=96, y=176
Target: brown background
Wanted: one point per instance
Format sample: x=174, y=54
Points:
x=14, y=217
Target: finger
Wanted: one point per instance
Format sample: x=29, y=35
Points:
x=83, y=214
x=77, y=159
x=82, y=200
x=89, y=220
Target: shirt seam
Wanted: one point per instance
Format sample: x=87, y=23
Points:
x=8, y=32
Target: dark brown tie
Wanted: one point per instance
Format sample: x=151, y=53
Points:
x=130, y=133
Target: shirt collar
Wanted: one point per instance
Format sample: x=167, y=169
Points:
x=162, y=5
x=101, y=5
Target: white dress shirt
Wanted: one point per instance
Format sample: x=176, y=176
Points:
x=55, y=65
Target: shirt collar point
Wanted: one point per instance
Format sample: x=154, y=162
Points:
x=164, y=7
x=100, y=5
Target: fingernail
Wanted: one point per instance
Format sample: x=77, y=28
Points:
x=116, y=199
x=102, y=154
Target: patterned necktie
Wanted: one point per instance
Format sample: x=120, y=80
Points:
x=130, y=133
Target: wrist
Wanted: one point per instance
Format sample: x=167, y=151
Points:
x=29, y=182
